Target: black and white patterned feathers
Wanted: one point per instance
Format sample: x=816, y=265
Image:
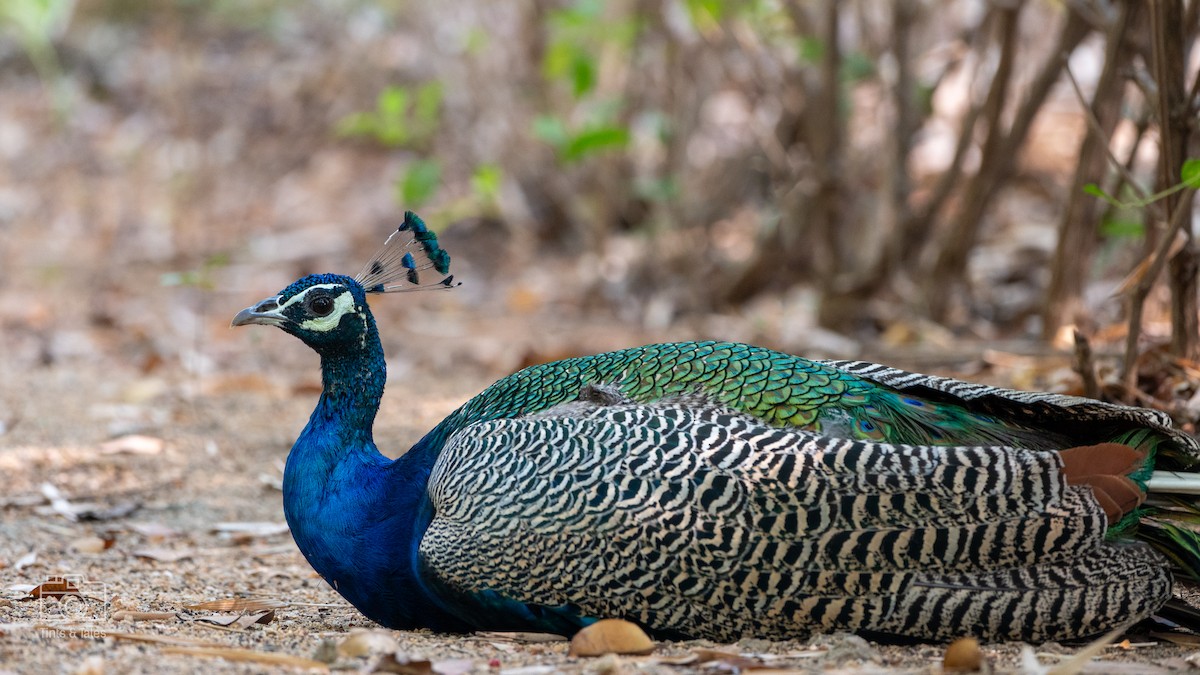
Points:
x=686, y=514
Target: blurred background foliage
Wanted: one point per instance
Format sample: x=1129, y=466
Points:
x=811, y=174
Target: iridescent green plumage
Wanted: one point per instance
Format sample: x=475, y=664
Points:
x=837, y=398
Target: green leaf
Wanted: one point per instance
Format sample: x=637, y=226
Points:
x=485, y=182
x=551, y=130
x=420, y=183
x=428, y=107
x=812, y=50
x=1122, y=228
x=1190, y=173
x=392, y=103
x=356, y=124
x=658, y=190
x=595, y=140
x=583, y=74
x=1096, y=191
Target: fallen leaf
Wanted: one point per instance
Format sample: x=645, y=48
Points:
x=611, y=636
x=258, y=618
x=366, y=642
x=92, y=512
x=133, y=444
x=453, y=666
x=53, y=587
x=681, y=660
x=248, y=656
x=25, y=561
x=963, y=655
x=164, y=554
x=92, y=544
x=521, y=636
x=218, y=619
x=131, y=615
x=731, y=661
x=153, y=530
x=239, y=605
x=58, y=501
x=254, y=529
x=391, y=663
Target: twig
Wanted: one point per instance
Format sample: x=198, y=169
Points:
x=1085, y=365
x=1095, y=128
x=1137, y=298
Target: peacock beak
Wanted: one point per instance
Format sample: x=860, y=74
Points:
x=266, y=312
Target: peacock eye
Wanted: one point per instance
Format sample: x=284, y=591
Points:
x=321, y=305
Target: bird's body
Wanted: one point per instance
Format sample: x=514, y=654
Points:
x=710, y=489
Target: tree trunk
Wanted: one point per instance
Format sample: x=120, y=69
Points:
x=1077, y=229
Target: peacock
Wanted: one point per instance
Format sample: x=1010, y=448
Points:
x=720, y=490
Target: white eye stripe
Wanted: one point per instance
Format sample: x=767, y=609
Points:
x=299, y=297
x=342, y=304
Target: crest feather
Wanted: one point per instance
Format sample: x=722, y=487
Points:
x=409, y=251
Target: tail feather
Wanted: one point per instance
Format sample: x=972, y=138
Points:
x=1172, y=525
x=945, y=411
x=1037, y=603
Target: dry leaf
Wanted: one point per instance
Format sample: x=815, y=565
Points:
x=217, y=619
x=153, y=530
x=92, y=544
x=248, y=656
x=453, y=666
x=963, y=655
x=391, y=663
x=366, y=642
x=239, y=605
x=164, y=554
x=611, y=636
x=53, y=587
x=131, y=615
x=525, y=637
x=259, y=618
x=25, y=561
x=93, y=512
x=735, y=662
x=133, y=444
x=259, y=529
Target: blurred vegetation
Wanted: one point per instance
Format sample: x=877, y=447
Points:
x=892, y=158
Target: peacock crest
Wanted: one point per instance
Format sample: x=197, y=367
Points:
x=409, y=251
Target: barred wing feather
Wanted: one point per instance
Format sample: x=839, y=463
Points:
x=685, y=515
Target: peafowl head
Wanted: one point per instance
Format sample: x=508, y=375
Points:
x=329, y=311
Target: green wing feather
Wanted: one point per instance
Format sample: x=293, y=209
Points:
x=835, y=398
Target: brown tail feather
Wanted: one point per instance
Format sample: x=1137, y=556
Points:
x=1105, y=469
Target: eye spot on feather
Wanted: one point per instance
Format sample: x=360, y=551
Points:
x=376, y=267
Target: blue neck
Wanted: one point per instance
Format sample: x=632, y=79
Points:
x=357, y=516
